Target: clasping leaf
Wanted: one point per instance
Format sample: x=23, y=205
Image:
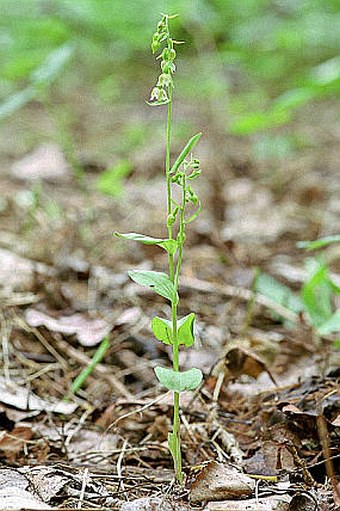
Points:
x=158, y=281
x=162, y=330
x=169, y=245
x=190, y=145
x=179, y=381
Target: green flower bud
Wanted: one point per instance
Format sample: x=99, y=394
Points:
x=164, y=80
x=170, y=220
x=172, y=54
x=195, y=164
x=194, y=174
x=168, y=67
x=155, y=44
x=191, y=196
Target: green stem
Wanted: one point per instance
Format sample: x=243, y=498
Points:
x=176, y=423
x=176, y=439
x=168, y=178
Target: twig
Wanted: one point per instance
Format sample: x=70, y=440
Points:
x=138, y=410
x=5, y=332
x=119, y=465
x=83, y=488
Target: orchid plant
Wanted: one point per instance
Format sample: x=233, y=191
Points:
x=174, y=331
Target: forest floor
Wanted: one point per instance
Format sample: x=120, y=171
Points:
x=269, y=439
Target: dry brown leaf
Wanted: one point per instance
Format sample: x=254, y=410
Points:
x=218, y=481
x=241, y=361
x=11, y=443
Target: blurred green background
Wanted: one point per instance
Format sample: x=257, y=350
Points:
x=79, y=72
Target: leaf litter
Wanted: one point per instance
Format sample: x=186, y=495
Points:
x=268, y=407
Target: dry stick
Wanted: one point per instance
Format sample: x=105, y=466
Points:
x=17, y=299
x=5, y=333
x=324, y=440
x=83, y=488
x=119, y=465
x=35, y=331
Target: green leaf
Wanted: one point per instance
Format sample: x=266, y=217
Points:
x=259, y=121
x=172, y=445
x=158, y=281
x=169, y=245
x=162, y=330
x=317, y=293
x=331, y=325
x=179, y=381
x=320, y=243
x=186, y=330
x=190, y=145
x=271, y=288
x=110, y=182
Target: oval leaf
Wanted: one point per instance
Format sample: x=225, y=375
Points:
x=169, y=245
x=186, y=330
x=190, y=145
x=158, y=281
x=179, y=381
x=162, y=329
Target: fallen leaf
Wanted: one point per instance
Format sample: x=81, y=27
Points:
x=15, y=491
x=24, y=399
x=11, y=443
x=275, y=503
x=218, y=481
x=241, y=361
x=45, y=162
x=151, y=504
x=88, y=331
x=16, y=272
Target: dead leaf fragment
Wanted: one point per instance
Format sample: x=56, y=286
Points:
x=15, y=492
x=274, y=503
x=88, y=331
x=13, y=442
x=218, y=481
x=151, y=504
x=45, y=162
x=22, y=398
x=241, y=361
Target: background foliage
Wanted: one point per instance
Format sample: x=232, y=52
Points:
x=254, y=62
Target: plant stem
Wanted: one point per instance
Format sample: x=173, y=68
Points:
x=168, y=178
x=176, y=452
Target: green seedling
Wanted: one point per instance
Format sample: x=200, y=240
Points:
x=111, y=181
x=181, y=173
x=88, y=370
x=317, y=294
